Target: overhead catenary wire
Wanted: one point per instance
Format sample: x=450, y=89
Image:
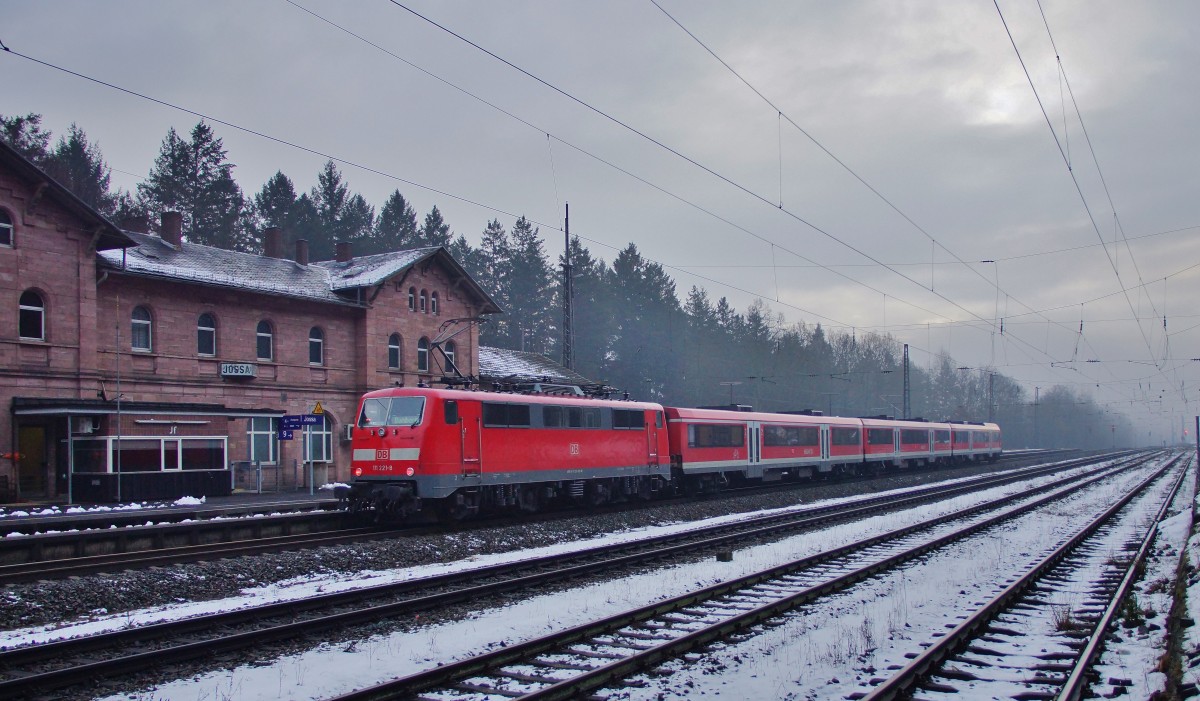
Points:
x=742, y=188
x=1074, y=179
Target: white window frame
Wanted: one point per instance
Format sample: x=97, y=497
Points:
x=449, y=349
x=423, y=355
x=322, y=433
x=40, y=310
x=433, y=303
x=8, y=232
x=254, y=429
x=259, y=335
x=210, y=330
x=395, y=346
x=316, y=342
x=146, y=326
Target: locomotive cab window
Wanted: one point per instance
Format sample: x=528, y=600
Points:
x=406, y=411
x=391, y=411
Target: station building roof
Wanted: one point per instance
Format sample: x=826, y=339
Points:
x=333, y=282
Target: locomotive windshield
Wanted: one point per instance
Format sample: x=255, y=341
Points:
x=391, y=411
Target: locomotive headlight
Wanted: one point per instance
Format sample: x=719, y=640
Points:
x=358, y=472
x=382, y=432
x=410, y=471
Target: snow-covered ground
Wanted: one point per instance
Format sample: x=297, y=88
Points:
x=792, y=659
x=811, y=656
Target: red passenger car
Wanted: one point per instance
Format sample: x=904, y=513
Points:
x=710, y=445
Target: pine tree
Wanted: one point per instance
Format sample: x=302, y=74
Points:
x=340, y=216
x=274, y=203
x=396, y=228
x=195, y=178
x=24, y=133
x=494, y=275
x=77, y=165
x=531, y=324
x=434, y=232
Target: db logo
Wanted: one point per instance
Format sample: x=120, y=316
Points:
x=737, y=454
x=574, y=448
x=382, y=454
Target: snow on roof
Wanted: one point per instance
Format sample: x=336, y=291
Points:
x=208, y=265
x=370, y=270
x=501, y=363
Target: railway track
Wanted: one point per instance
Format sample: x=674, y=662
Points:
x=600, y=654
x=51, y=665
x=1026, y=642
x=102, y=548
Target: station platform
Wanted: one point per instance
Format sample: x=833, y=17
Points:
x=47, y=512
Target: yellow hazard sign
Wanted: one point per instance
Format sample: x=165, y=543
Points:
x=317, y=409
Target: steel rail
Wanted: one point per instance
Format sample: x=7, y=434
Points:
x=447, y=674
x=760, y=527
x=1077, y=682
x=903, y=682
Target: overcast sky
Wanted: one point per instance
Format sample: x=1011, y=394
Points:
x=653, y=141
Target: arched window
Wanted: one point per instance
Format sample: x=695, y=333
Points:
x=206, y=334
x=449, y=349
x=394, y=352
x=423, y=355
x=412, y=299
x=423, y=299
x=265, y=342
x=31, y=312
x=316, y=346
x=6, y=229
x=142, y=332
x=433, y=303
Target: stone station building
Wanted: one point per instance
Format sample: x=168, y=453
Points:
x=138, y=366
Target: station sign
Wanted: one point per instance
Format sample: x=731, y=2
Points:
x=239, y=370
x=285, y=434
x=298, y=421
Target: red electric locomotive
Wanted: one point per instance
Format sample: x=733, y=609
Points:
x=469, y=450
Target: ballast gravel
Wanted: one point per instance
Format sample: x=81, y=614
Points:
x=45, y=602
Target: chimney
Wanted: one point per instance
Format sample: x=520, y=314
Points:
x=273, y=242
x=302, y=251
x=342, y=251
x=172, y=229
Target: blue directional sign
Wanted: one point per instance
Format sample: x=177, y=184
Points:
x=296, y=421
x=285, y=434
